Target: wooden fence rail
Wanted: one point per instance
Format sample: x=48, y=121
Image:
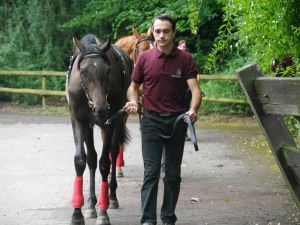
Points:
x=44, y=92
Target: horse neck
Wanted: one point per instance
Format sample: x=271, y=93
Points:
x=127, y=43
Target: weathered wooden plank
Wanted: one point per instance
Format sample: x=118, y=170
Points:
x=32, y=91
x=273, y=126
x=282, y=109
x=225, y=100
x=290, y=159
x=279, y=91
x=217, y=77
x=31, y=73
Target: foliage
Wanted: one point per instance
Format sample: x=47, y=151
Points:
x=293, y=125
x=31, y=36
x=223, y=35
x=267, y=29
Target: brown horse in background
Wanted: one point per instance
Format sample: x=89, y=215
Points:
x=132, y=45
x=135, y=43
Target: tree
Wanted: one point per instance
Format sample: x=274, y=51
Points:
x=267, y=29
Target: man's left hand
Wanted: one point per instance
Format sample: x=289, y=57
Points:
x=193, y=115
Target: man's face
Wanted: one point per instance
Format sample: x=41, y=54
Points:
x=163, y=33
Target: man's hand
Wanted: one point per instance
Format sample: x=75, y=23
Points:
x=131, y=107
x=192, y=114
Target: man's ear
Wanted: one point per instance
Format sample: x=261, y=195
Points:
x=174, y=33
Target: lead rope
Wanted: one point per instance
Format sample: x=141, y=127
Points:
x=190, y=127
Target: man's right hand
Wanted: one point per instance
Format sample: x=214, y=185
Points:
x=131, y=107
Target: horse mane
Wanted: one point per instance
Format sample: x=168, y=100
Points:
x=91, y=47
x=127, y=42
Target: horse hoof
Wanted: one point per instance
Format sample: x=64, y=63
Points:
x=102, y=220
x=90, y=213
x=119, y=173
x=78, y=221
x=114, y=204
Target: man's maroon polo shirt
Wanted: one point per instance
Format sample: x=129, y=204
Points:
x=164, y=78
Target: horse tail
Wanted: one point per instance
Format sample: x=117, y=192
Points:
x=124, y=136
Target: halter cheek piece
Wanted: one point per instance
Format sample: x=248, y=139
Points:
x=140, y=40
x=91, y=104
x=83, y=85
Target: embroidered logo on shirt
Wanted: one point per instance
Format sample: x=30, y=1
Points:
x=178, y=74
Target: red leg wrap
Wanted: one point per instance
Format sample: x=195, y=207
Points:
x=77, y=198
x=120, y=159
x=103, y=202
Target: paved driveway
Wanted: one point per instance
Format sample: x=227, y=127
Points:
x=225, y=183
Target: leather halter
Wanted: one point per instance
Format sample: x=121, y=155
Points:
x=91, y=104
x=140, y=40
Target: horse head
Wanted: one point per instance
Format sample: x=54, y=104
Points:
x=143, y=42
x=135, y=43
x=94, y=67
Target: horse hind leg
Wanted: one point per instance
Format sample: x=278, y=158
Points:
x=120, y=163
x=114, y=203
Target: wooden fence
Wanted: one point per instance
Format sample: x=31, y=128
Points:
x=44, y=92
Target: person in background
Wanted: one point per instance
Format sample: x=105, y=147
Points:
x=166, y=74
x=182, y=45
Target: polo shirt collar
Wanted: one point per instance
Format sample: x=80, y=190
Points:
x=172, y=54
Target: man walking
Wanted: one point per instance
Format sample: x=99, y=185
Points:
x=166, y=74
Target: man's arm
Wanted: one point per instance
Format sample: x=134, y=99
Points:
x=132, y=95
x=196, y=98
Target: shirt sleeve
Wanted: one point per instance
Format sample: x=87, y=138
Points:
x=138, y=74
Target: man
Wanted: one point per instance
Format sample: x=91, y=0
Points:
x=166, y=73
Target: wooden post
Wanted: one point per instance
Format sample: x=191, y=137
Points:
x=44, y=87
x=269, y=103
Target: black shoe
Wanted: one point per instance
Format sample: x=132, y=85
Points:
x=168, y=223
x=187, y=138
x=147, y=223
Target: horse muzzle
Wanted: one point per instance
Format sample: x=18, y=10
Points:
x=100, y=114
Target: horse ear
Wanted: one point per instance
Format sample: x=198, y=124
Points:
x=150, y=33
x=78, y=44
x=135, y=32
x=98, y=42
x=104, y=47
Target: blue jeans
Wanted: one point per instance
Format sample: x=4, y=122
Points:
x=153, y=147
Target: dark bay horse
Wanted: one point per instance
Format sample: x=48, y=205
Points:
x=97, y=84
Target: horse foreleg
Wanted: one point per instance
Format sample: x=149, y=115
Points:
x=104, y=167
x=90, y=212
x=80, y=164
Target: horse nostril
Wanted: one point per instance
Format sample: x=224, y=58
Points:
x=99, y=112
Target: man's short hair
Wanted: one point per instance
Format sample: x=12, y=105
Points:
x=167, y=17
